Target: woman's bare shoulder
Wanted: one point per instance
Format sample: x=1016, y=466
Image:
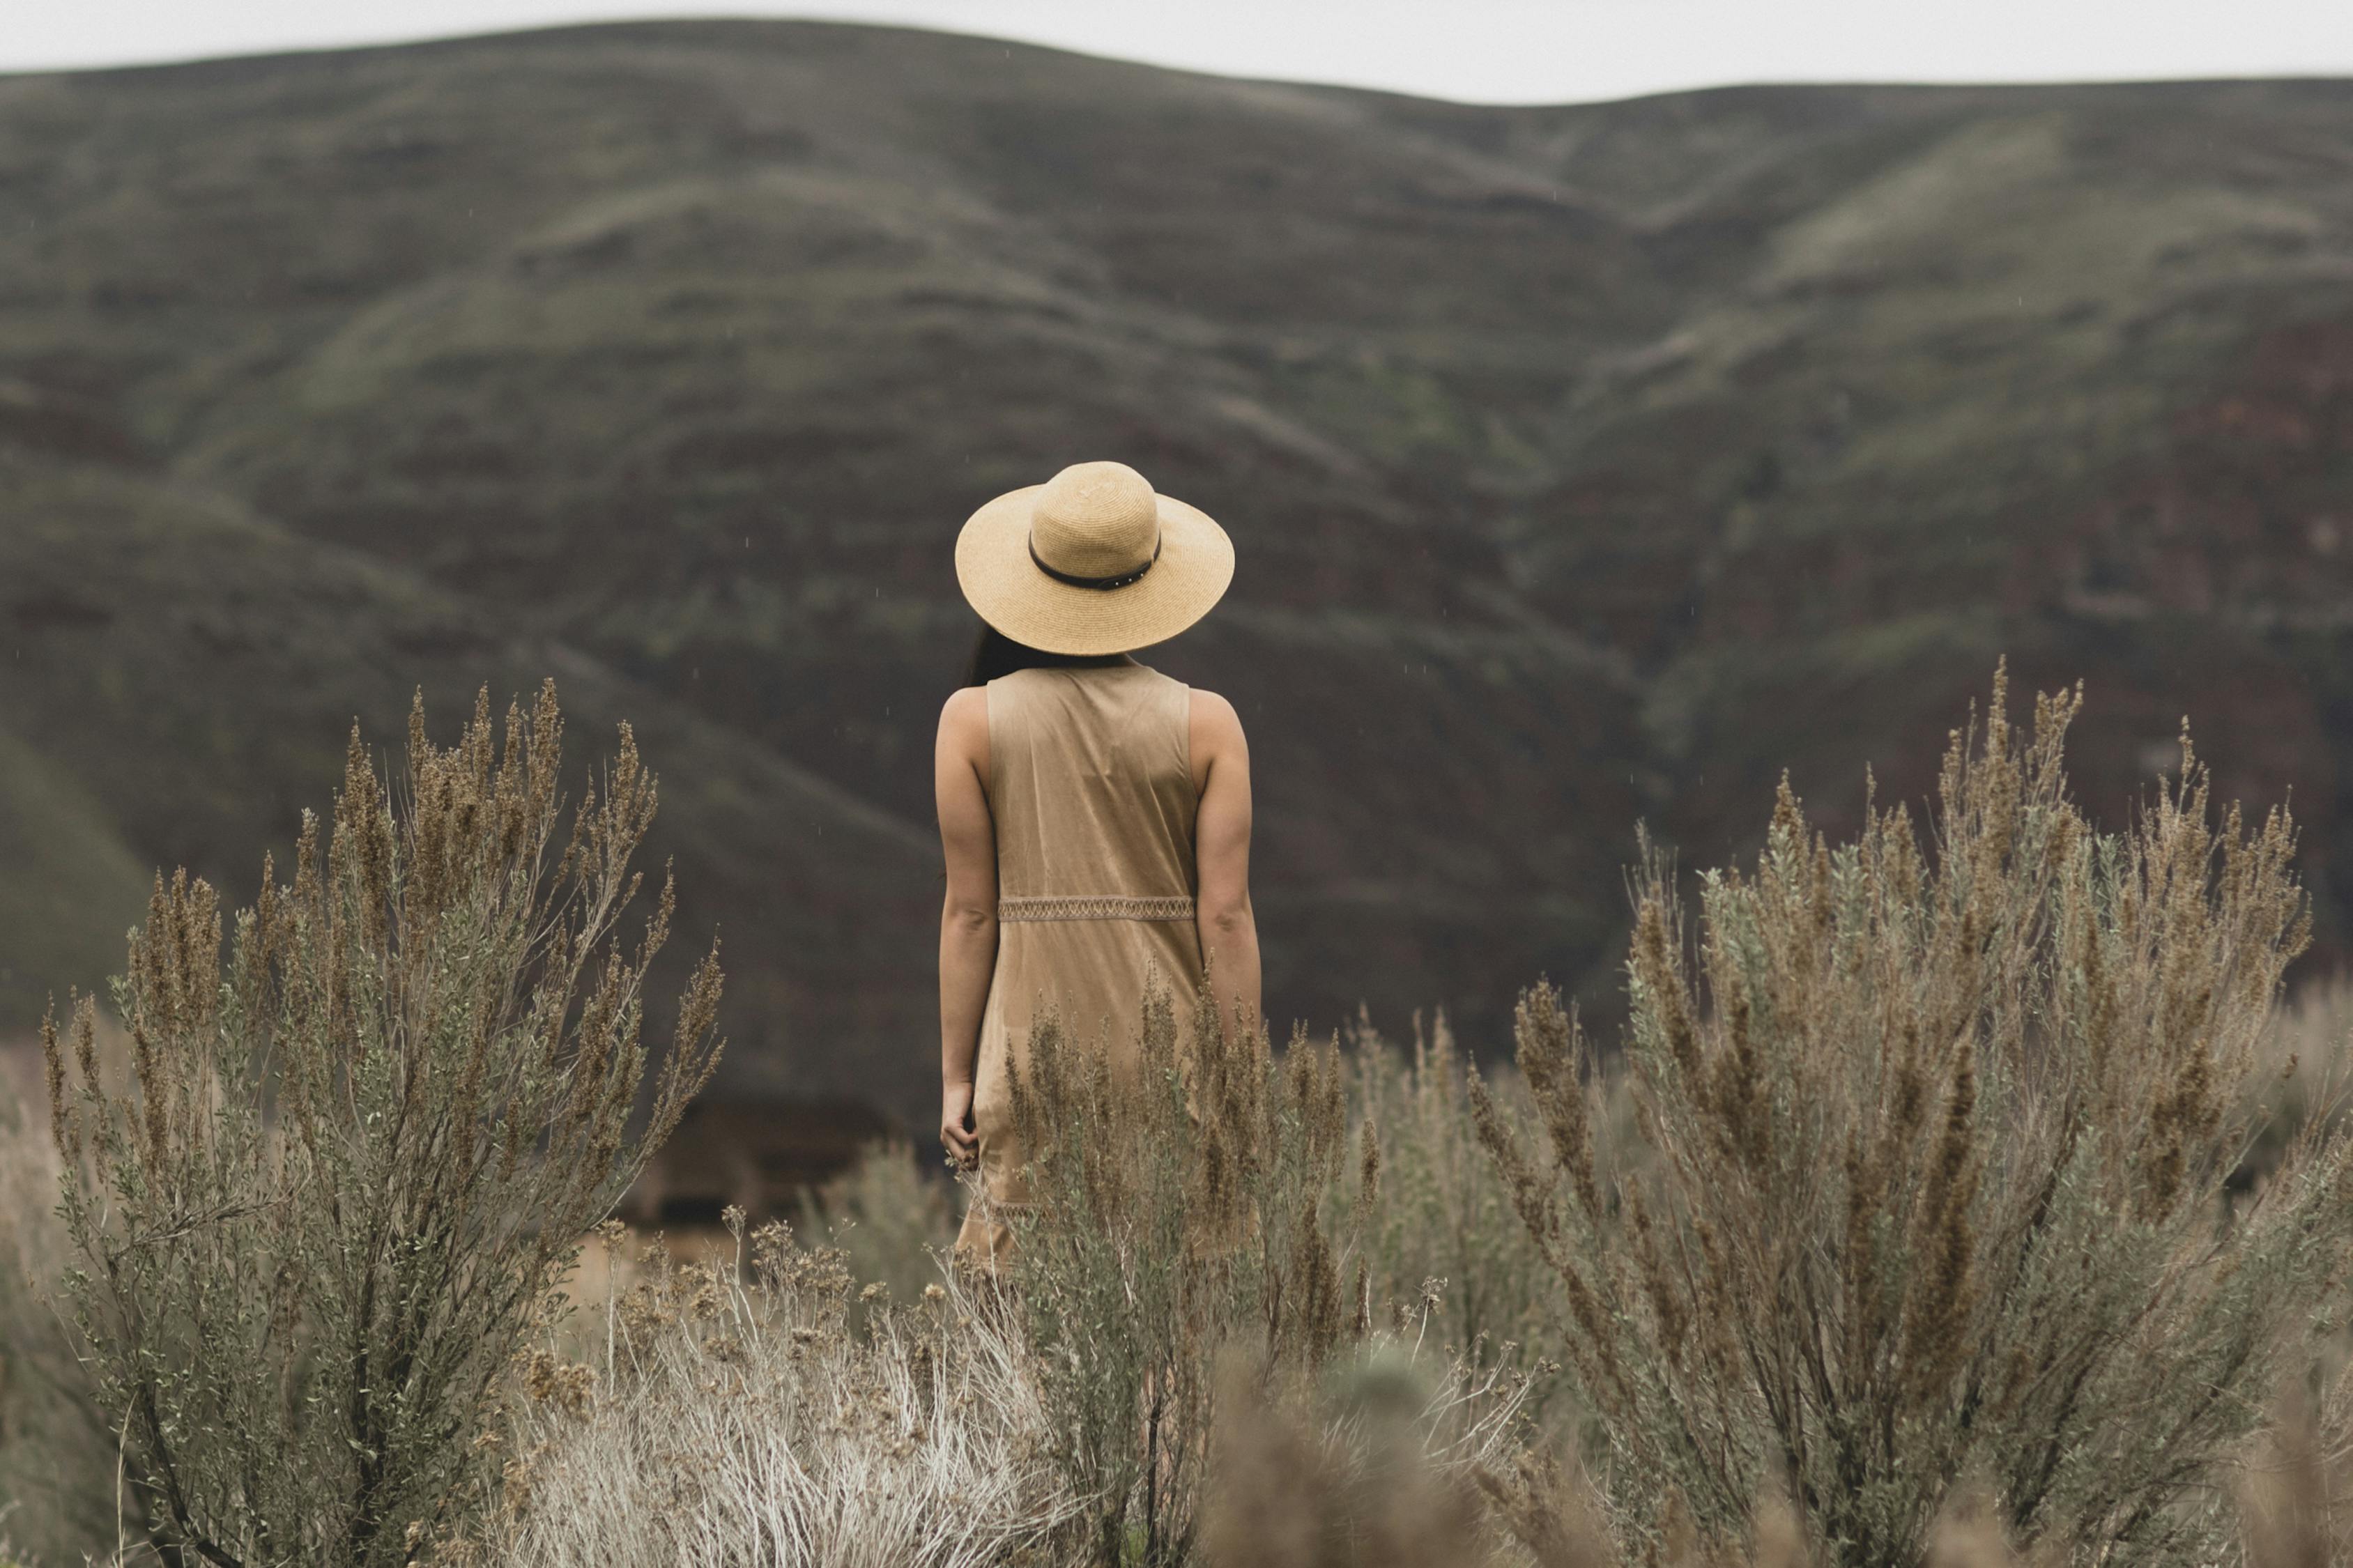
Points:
x=1208, y=703
x=1213, y=721
x=964, y=718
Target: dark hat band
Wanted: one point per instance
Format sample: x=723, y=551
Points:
x=1121, y=581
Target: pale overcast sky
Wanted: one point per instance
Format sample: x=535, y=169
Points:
x=1489, y=50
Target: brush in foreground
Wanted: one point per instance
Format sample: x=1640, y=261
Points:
x=737, y=1413
x=1204, y=1204
x=352, y=1164
x=1937, y=1175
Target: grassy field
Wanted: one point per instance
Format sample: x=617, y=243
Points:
x=1969, y=1190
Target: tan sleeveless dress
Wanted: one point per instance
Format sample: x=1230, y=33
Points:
x=1090, y=784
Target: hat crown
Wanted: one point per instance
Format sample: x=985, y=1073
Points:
x=1095, y=520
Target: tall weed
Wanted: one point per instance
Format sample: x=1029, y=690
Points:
x=1207, y=1206
x=352, y=1164
x=1441, y=1225
x=2302, y=1074
x=1939, y=1145
x=1175, y=1210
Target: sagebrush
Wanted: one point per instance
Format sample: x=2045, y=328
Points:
x=354, y=1160
x=1940, y=1143
x=1441, y=1226
x=1206, y=1205
x=1956, y=1203
x=56, y=1446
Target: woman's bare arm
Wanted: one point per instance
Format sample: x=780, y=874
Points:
x=1221, y=834
x=968, y=919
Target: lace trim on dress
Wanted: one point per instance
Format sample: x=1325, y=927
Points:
x=1095, y=906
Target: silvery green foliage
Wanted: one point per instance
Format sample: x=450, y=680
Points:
x=1443, y=1226
x=1936, y=1183
x=352, y=1162
x=1177, y=1210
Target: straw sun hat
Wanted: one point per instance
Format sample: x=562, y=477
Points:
x=1092, y=562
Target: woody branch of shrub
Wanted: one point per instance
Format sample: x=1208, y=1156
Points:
x=353, y=1162
x=1936, y=1178
x=1179, y=1208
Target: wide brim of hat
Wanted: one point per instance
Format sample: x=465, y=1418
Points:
x=1005, y=587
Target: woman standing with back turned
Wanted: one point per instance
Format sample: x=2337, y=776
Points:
x=1094, y=814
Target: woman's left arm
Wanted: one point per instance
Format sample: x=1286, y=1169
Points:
x=1221, y=840
x=968, y=917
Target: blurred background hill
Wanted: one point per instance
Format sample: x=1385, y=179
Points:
x=1586, y=464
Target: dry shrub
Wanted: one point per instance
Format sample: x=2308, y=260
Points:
x=352, y=1164
x=733, y=1415
x=2303, y=1073
x=1376, y=1469
x=57, y=1451
x=1967, y=1533
x=1548, y=1510
x=1939, y=1150
x=891, y=1223
x=1210, y=1202
x=1553, y=1517
x=1442, y=1223
x=2295, y=1497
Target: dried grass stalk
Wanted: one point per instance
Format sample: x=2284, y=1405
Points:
x=735, y=1414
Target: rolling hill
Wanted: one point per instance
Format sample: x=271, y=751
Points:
x=1586, y=464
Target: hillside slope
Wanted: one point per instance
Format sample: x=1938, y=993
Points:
x=1586, y=464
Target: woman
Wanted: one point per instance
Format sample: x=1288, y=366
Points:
x=1094, y=814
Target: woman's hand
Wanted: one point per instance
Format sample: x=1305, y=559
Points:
x=956, y=1135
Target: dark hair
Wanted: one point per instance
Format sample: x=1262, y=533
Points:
x=994, y=654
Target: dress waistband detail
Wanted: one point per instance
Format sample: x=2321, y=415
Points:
x=1095, y=906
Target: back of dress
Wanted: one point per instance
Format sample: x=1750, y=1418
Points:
x=1091, y=787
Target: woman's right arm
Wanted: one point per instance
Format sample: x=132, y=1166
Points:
x=1221, y=836
x=968, y=916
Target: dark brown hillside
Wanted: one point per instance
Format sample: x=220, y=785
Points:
x=1587, y=463
x=206, y=703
